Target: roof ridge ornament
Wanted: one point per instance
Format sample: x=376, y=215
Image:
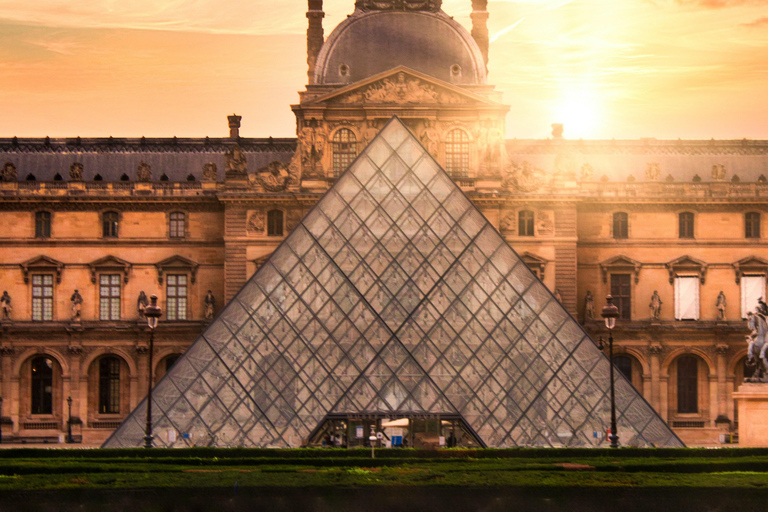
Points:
x=399, y=5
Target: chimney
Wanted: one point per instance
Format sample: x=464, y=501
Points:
x=557, y=130
x=315, y=16
x=234, y=126
x=480, y=26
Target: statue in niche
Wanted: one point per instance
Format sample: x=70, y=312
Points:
x=77, y=304
x=589, y=307
x=210, y=172
x=236, y=162
x=9, y=172
x=720, y=306
x=655, y=305
x=256, y=222
x=141, y=304
x=718, y=172
x=144, y=172
x=210, y=304
x=312, y=145
x=5, y=305
x=76, y=171
x=430, y=138
x=653, y=171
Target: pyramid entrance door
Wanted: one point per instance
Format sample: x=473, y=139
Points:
x=394, y=296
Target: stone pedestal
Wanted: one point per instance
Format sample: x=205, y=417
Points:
x=753, y=414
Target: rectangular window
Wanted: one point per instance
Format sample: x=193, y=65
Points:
x=177, y=225
x=621, y=291
x=752, y=288
x=687, y=298
x=109, y=297
x=42, y=298
x=109, y=385
x=42, y=225
x=176, y=297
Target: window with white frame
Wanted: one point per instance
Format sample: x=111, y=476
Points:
x=687, y=298
x=176, y=297
x=42, y=297
x=109, y=297
x=752, y=288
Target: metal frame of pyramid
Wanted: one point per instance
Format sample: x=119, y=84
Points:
x=394, y=295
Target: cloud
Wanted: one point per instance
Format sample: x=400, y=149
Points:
x=719, y=4
x=760, y=22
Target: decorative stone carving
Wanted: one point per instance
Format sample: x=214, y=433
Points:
x=292, y=219
x=655, y=306
x=720, y=306
x=653, y=171
x=490, y=147
x=257, y=221
x=76, y=171
x=370, y=131
x=522, y=177
x=141, y=348
x=77, y=302
x=75, y=350
x=507, y=223
x=399, y=5
x=401, y=90
x=312, y=141
x=655, y=350
x=722, y=349
x=587, y=173
x=275, y=177
x=210, y=172
x=210, y=304
x=545, y=224
x=718, y=172
x=144, y=172
x=9, y=172
x=430, y=138
x=589, y=307
x=7, y=351
x=5, y=305
x=236, y=162
x=141, y=304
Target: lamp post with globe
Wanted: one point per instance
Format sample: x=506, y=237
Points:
x=610, y=313
x=152, y=312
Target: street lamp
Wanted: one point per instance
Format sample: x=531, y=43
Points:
x=69, y=421
x=372, y=438
x=152, y=312
x=610, y=313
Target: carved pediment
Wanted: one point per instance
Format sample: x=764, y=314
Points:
x=621, y=263
x=401, y=86
x=686, y=265
x=750, y=265
x=109, y=264
x=176, y=264
x=535, y=262
x=42, y=264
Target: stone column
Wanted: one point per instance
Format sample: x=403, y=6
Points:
x=655, y=398
x=10, y=406
x=722, y=387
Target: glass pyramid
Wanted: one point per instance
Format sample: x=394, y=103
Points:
x=393, y=296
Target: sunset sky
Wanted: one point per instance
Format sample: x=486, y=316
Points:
x=605, y=68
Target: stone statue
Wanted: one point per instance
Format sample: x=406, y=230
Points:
x=210, y=304
x=653, y=171
x=558, y=296
x=144, y=172
x=312, y=144
x=141, y=304
x=77, y=301
x=8, y=173
x=76, y=171
x=5, y=304
x=210, y=172
x=720, y=306
x=756, y=340
x=655, y=305
x=236, y=162
x=430, y=138
x=718, y=172
x=589, y=307
x=370, y=131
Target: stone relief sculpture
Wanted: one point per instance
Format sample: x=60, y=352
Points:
x=430, y=138
x=141, y=304
x=545, y=225
x=370, y=131
x=5, y=305
x=77, y=303
x=589, y=307
x=312, y=142
x=718, y=172
x=401, y=90
x=756, y=322
x=653, y=171
x=507, y=223
x=720, y=306
x=210, y=304
x=76, y=171
x=210, y=172
x=292, y=218
x=236, y=162
x=275, y=177
x=522, y=177
x=257, y=221
x=399, y=5
x=655, y=305
x=8, y=172
x=144, y=172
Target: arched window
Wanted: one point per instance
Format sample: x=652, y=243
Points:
x=752, y=225
x=525, y=223
x=344, y=150
x=457, y=154
x=620, y=225
x=42, y=225
x=275, y=223
x=686, y=225
x=687, y=385
x=177, y=222
x=109, y=223
x=42, y=385
x=109, y=385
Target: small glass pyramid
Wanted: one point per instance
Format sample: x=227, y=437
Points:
x=394, y=296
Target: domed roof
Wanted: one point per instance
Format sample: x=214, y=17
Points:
x=370, y=42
